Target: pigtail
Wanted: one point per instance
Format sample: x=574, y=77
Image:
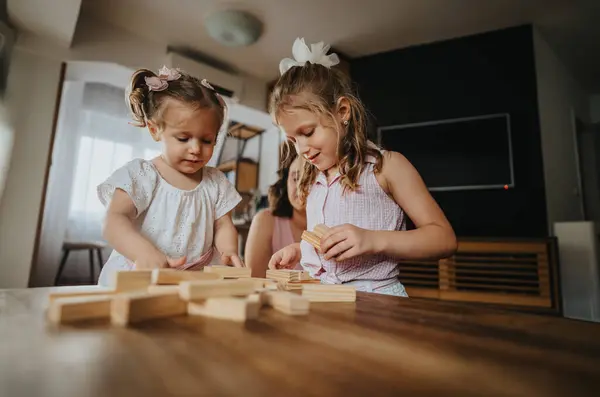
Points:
x=137, y=97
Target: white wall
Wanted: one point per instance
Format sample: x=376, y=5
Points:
x=33, y=84
x=31, y=95
x=559, y=97
x=595, y=108
x=6, y=145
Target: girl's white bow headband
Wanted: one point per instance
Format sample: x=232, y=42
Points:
x=317, y=54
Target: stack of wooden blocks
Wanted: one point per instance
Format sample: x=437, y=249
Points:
x=221, y=292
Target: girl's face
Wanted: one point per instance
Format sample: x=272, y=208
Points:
x=315, y=137
x=292, y=184
x=188, y=137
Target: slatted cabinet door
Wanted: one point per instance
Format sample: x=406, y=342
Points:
x=509, y=273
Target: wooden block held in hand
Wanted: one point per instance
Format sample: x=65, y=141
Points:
x=135, y=307
x=198, y=290
x=226, y=308
x=132, y=280
x=173, y=277
x=329, y=292
x=320, y=230
x=288, y=303
x=80, y=308
x=312, y=239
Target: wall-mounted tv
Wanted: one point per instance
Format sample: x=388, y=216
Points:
x=456, y=154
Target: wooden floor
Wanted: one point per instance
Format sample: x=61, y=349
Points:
x=378, y=346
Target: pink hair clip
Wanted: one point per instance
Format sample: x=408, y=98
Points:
x=160, y=82
x=206, y=84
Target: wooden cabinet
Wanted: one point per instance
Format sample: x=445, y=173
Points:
x=519, y=273
x=242, y=173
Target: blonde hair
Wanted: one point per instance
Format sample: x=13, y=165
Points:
x=146, y=105
x=317, y=89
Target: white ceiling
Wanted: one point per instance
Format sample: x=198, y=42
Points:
x=360, y=27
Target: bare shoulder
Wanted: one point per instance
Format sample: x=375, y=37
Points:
x=263, y=218
x=394, y=167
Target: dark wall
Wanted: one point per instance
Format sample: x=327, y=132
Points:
x=483, y=74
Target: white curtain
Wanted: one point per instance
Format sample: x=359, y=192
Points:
x=93, y=139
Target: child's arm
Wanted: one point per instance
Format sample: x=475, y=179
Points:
x=286, y=258
x=120, y=233
x=258, y=245
x=432, y=238
x=226, y=241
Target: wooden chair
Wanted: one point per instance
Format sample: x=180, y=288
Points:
x=90, y=246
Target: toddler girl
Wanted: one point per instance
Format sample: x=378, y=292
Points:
x=172, y=211
x=361, y=192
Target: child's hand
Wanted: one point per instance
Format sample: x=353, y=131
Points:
x=286, y=258
x=345, y=242
x=231, y=260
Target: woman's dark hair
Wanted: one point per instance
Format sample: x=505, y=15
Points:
x=279, y=202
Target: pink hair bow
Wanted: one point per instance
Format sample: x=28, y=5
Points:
x=160, y=82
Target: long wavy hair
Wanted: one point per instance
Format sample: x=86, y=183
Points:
x=317, y=89
x=279, y=202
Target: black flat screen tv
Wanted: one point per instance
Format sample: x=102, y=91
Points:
x=456, y=154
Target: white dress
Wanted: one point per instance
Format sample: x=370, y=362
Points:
x=178, y=222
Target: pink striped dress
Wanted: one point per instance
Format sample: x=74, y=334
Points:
x=369, y=207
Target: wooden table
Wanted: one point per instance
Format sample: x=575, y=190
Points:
x=378, y=346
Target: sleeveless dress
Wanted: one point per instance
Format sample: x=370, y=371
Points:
x=282, y=235
x=178, y=222
x=368, y=207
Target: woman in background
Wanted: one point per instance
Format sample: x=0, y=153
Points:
x=285, y=219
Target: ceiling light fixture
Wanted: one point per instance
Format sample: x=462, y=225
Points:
x=233, y=28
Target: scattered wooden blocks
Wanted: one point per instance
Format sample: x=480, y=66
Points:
x=229, y=271
x=222, y=292
x=173, y=277
x=132, y=308
x=73, y=309
x=329, y=292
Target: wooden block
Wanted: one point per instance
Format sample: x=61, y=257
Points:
x=284, y=275
x=226, y=308
x=80, y=290
x=297, y=285
x=261, y=283
x=198, y=290
x=312, y=239
x=305, y=276
x=261, y=297
x=229, y=271
x=163, y=289
x=288, y=303
x=329, y=292
x=72, y=309
x=132, y=280
x=320, y=230
x=172, y=276
x=130, y=308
